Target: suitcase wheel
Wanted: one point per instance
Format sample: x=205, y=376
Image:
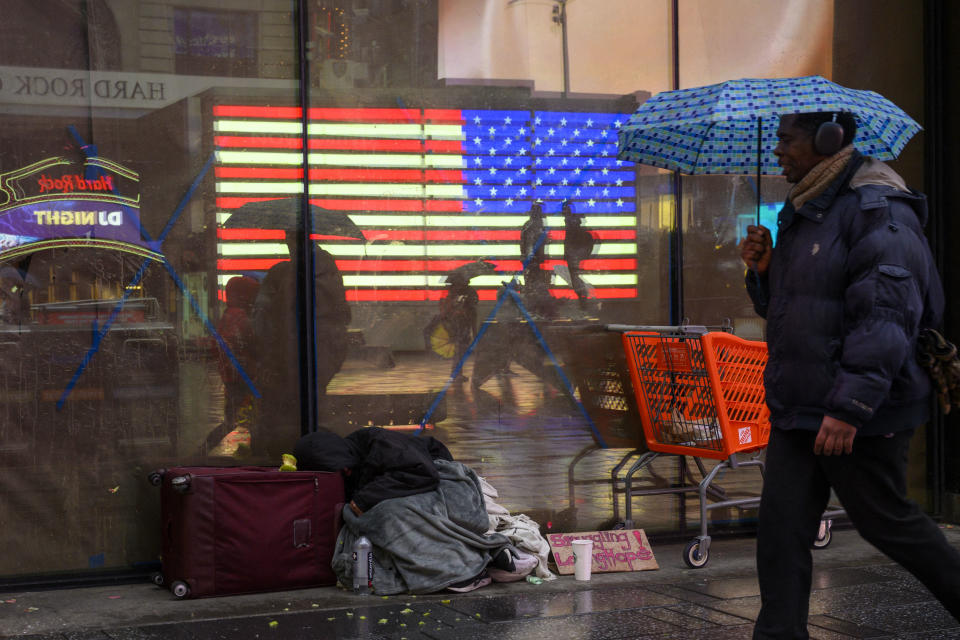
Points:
x=180, y=589
x=156, y=477
x=157, y=578
x=181, y=484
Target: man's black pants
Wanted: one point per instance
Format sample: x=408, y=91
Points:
x=871, y=485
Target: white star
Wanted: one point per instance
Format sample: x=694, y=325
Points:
x=537, y=141
x=539, y=182
x=477, y=141
x=539, y=161
x=509, y=201
x=564, y=162
x=606, y=192
x=492, y=151
x=589, y=143
x=590, y=161
x=605, y=152
x=553, y=192
x=493, y=191
x=506, y=120
x=552, y=170
x=603, y=134
x=508, y=161
x=550, y=131
x=605, y=171
x=590, y=182
x=563, y=122
x=522, y=152
x=576, y=171
x=589, y=122
x=576, y=153
x=507, y=142
x=493, y=171
x=563, y=142
x=491, y=130
x=619, y=163
x=523, y=191
x=522, y=170
x=619, y=202
x=564, y=182
x=522, y=131
x=576, y=132
x=550, y=152
x=477, y=181
x=577, y=192
x=478, y=160
x=619, y=183
x=478, y=202
x=476, y=119
x=591, y=202
x=616, y=124
x=508, y=181
x=537, y=120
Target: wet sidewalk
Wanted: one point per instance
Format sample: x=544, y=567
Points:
x=858, y=593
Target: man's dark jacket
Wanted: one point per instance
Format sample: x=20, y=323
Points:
x=850, y=283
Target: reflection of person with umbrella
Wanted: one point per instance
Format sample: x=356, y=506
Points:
x=450, y=332
x=275, y=317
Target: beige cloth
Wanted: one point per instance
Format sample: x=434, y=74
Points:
x=522, y=531
x=820, y=176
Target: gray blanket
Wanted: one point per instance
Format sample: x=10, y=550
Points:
x=425, y=542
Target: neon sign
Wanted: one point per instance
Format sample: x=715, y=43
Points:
x=431, y=190
x=50, y=204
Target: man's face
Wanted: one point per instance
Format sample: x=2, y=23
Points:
x=795, y=150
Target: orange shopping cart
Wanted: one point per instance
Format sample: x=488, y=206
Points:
x=700, y=394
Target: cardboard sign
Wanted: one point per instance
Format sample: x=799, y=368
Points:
x=618, y=550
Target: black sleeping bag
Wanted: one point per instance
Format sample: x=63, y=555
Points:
x=378, y=463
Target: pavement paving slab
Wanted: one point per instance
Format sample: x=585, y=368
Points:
x=857, y=593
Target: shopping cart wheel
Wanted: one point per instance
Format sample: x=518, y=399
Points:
x=824, y=536
x=694, y=556
x=157, y=578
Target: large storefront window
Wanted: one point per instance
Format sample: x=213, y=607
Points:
x=223, y=225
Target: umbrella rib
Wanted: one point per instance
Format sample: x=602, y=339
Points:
x=696, y=161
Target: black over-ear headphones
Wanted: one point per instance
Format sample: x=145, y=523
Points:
x=829, y=138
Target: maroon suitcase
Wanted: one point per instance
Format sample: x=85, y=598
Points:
x=229, y=530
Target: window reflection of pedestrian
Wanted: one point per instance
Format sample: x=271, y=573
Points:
x=11, y=295
x=536, y=281
x=236, y=329
x=458, y=317
x=275, y=324
x=577, y=246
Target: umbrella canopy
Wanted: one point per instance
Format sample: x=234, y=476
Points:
x=472, y=270
x=285, y=214
x=730, y=128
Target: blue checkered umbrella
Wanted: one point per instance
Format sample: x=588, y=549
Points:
x=715, y=129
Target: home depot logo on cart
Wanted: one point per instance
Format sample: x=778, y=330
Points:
x=745, y=435
x=674, y=356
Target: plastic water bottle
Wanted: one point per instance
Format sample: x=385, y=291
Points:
x=362, y=566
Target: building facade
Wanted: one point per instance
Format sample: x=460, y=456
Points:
x=140, y=141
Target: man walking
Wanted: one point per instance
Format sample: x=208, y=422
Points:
x=845, y=292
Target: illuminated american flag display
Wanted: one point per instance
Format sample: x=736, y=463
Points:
x=431, y=189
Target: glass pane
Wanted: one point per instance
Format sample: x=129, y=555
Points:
x=445, y=166
x=112, y=321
